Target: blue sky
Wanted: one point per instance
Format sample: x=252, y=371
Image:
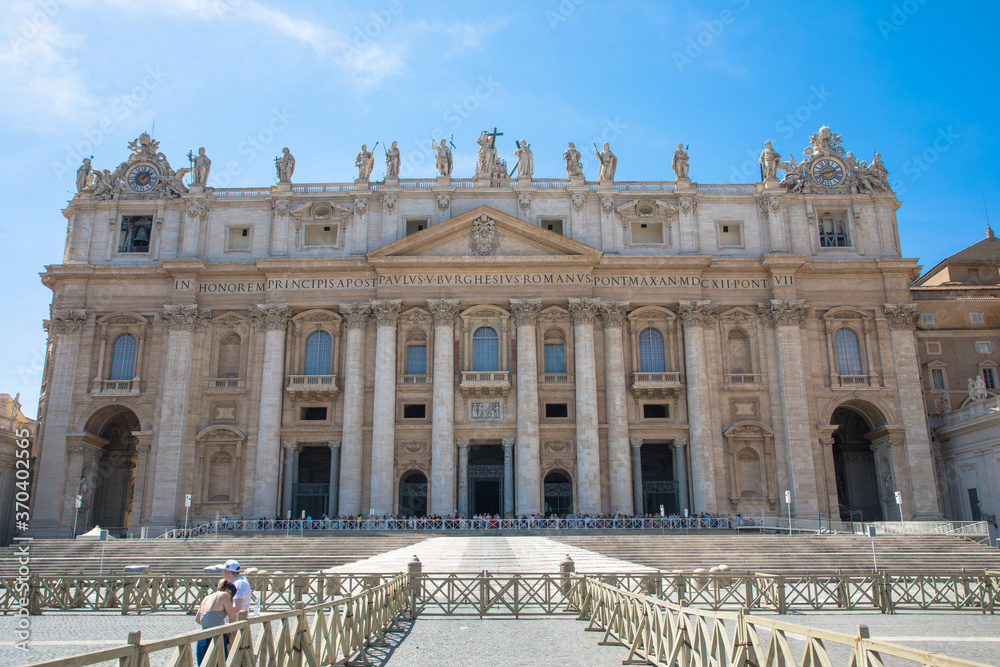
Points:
x=914, y=79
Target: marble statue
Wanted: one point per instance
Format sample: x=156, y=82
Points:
x=526, y=161
x=83, y=175
x=945, y=400
x=15, y=406
x=680, y=162
x=572, y=157
x=285, y=165
x=487, y=153
x=879, y=174
x=201, y=166
x=443, y=159
x=769, y=162
x=608, y=163
x=104, y=182
x=365, y=162
x=980, y=388
x=392, y=162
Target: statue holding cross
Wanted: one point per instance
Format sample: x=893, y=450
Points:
x=487, y=152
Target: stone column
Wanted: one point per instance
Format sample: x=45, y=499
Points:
x=680, y=458
x=922, y=497
x=463, y=477
x=291, y=449
x=529, y=482
x=830, y=500
x=50, y=516
x=787, y=318
x=384, y=424
x=508, y=477
x=696, y=316
x=272, y=320
x=613, y=314
x=442, y=487
x=588, y=455
x=143, y=442
x=637, y=499
x=333, y=504
x=179, y=323
x=353, y=442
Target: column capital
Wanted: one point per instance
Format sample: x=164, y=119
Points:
x=67, y=322
x=355, y=315
x=613, y=313
x=584, y=311
x=178, y=317
x=901, y=315
x=333, y=444
x=142, y=447
x=826, y=441
x=526, y=311
x=680, y=442
x=292, y=446
x=635, y=442
x=386, y=312
x=463, y=443
x=443, y=310
x=507, y=442
x=697, y=313
x=270, y=317
x=784, y=313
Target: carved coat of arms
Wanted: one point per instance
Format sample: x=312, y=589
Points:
x=484, y=238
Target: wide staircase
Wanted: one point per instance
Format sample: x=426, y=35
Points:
x=799, y=553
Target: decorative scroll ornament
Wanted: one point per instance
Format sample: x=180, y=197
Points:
x=524, y=201
x=525, y=311
x=558, y=446
x=360, y=205
x=386, y=312
x=355, y=315
x=444, y=201
x=270, y=317
x=584, y=311
x=901, y=315
x=607, y=204
x=413, y=446
x=697, y=313
x=443, y=310
x=578, y=201
x=484, y=238
x=197, y=209
x=784, y=313
x=68, y=321
x=280, y=208
x=613, y=313
x=184, y=318
x=389, y=201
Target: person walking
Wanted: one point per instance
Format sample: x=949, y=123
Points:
x=213, y=612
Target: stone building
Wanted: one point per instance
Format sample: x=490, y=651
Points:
x=959, y=306
x=496, y=344
x=14, y=486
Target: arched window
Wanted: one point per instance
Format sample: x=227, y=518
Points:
x=555, y=352
x=318, y=353
x=485, y=349
x=651, y=351
x=123, y=358
x=848, y=352
x=229, y=357
x=740, y=359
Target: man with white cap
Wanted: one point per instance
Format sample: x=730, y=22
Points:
x=231, y=571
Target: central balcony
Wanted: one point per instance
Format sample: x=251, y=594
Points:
x=482, y=384
x=313, y=386
x=656, y=385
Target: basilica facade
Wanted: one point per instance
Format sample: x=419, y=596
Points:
x=501, y=344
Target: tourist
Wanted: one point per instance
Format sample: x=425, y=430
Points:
x=231, y=570
x=214, y=611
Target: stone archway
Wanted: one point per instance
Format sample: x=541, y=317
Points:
x=108, y=473
x=854, y=464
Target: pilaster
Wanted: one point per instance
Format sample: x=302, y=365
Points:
x=386, y=314
x=529, y=484
x=355, y=317
x=622, y=500
x=442, y=487
x=588, y=461
x=272, y=321
x=695, y=317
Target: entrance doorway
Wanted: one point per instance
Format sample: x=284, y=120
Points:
x=486, y=475
x=558, y=494
x=312, y=491
x=413, y=495
x=854, y=466
x=658, y=485
x=108, y=480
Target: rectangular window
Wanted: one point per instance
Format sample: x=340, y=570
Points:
x=990, y=378
x=416, y=360
x=655, y=411
x=556, y=410
x=313, y=414
x=977, y=318
x=730, y=235
x=136, y=233
x=933, y=347
x=416, y=225
x=983, y=347
x=555, y=358
x=832, y=232
x=414, y=411
x=937, y=378
x=927, y=318
x=320, y=236
x=554, y=225
x=238, y=238
x=647, y=232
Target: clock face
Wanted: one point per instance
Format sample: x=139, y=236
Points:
x=828, y=172
x=142, y=178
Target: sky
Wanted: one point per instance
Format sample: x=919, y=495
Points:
x=916, y=80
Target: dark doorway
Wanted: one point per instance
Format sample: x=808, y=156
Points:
x=107, y=483
x=311, y=493
x=558, y=494
x=854, y=466
x=486, y=479
x=486, y=496
x=413, y=495
x=658, y=484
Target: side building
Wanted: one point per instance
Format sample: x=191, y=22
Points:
x=503, y=345
x=15, y=468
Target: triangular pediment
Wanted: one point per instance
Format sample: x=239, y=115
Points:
x=484, y=233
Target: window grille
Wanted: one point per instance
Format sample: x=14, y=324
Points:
x=485, y=349
x=416, y=360
x=123, y=358
x=651, y=358
x=318, y=346
x=845, y=343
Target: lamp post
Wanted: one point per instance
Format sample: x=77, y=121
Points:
x=871, y=534
x=187, y=508
x=302, y=520
x=79, y=501
x=788, y=504
x=899, y=504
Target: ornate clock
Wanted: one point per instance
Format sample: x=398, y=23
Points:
x=142, y=178
x=828, y=172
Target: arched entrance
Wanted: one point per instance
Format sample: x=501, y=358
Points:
x=558, y=494
x=486, y=479
x=107, y=480
x=658, y=485
x=413, y=494
x=311, y=492
x=854, y=466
